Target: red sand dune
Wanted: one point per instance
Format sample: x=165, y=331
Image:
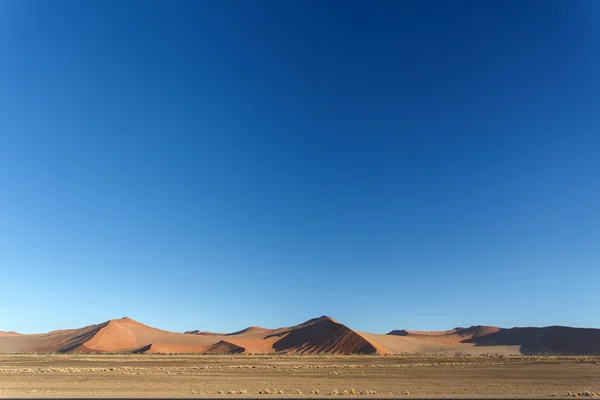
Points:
x=324, y=336
x=163, y=348
x=321, y=335
x=455, y=335
x=251, y=329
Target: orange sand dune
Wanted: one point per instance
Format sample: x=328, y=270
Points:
x=455, y=335
x=111, y=336
x=476, y=331
x=55, y=341
x=163, y=348
x=251, y=329
x=409, y=344
x=324, y=336
x=127, y=334
x=321, y=335
x=252, y=345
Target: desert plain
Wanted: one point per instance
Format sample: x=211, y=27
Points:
x=297, y=376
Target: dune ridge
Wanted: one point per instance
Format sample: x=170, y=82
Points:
x=224, y=347
x=550, y=339
x=322, y=335
x=8, y=333
x=455, y=335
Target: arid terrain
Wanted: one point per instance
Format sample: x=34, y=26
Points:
x=276, y=376
x=320, y=357
x=322, y=335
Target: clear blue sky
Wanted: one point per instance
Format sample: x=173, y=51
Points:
x=214, y=165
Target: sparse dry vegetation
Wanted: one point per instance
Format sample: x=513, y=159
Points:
x=84, y=375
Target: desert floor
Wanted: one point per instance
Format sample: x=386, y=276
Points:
x=247, y=376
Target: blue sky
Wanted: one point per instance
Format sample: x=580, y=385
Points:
x=214, y=165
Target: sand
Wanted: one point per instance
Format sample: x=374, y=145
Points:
x=322, y=335
x=243, y=376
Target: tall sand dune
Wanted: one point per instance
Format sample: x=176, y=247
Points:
x=321, y=335
x=324, y=336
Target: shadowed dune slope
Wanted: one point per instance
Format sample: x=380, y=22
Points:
x=321, y=335
x=224, y=347
x=55, y=341
x=404, y=332
x=324, y=336
x=194, y=332
x=128, y=334
x=202, y=333
x=476, y=331
x=116, y=335
x=551, y=339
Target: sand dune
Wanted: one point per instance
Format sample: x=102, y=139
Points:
x=163, y=348
x=203, y=333
x=407, y=344
x=251, y=329
x=322, y=335
x=551, y=339
x=477, y=331
x=224, y=347
x=456, y=335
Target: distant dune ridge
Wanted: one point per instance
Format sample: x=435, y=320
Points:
x=322, y=335
x=455, y=335
x=9, y=333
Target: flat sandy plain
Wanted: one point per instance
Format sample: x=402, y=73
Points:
x=247, y=376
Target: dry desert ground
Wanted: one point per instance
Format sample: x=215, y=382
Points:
x=297, y=376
